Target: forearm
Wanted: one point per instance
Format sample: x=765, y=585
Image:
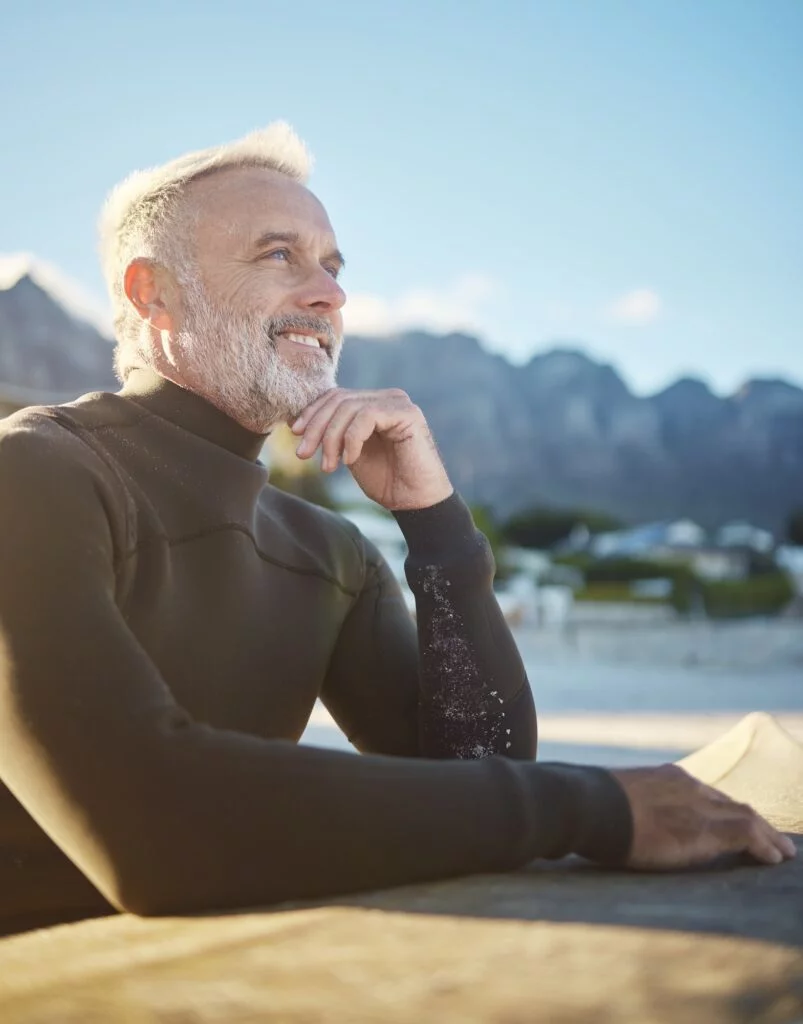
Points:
x=475, y=697
x=184, y=818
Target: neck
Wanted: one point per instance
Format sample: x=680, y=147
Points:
x=173, y=399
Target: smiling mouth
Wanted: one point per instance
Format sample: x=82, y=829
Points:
x=308, y=340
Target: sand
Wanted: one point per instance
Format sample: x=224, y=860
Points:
x=553, y=943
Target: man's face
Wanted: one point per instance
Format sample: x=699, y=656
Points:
x=262, y=328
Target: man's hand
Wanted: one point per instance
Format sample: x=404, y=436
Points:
x=385, y=441
x=679, y=822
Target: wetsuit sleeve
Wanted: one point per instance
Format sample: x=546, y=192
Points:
x=451, y=686
x=164, y=814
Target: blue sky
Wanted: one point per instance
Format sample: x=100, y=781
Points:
x=620, y=176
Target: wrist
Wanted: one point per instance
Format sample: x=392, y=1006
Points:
x=582, y=810
x=432, y=528
x=425, y=499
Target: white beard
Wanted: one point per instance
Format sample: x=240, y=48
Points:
x=232, y=361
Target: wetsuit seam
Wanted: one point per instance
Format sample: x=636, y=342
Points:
x=365, y=562
x=237, y=528
x=78, y=430
x=146, y=414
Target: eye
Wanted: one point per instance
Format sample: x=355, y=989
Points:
x=278, y=254
x=333, y=269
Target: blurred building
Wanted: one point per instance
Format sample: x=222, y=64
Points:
x=736, y=550
x=742, y=534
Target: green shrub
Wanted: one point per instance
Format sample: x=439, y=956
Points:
x=624, y=570
x=615, y=571
x=485, y=522
x=794, y=528
x=767, y=594
x=687, y=591
x=608, y=579
x=579, y=560
x=542, y=528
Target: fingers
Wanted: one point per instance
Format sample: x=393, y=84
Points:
x=680, y=822
x=356, y=434
x=341, y=421
x=768, y=844
x=346, y=433
x=340, y=427
x=749, y=832
x=313, y=421
x=762, y=842
x=327, y=427
x=741, y=830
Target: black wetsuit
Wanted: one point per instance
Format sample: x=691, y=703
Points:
x=167, y=621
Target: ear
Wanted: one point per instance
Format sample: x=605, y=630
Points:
x=151, y=291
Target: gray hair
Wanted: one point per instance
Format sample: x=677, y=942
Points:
x=142, y=217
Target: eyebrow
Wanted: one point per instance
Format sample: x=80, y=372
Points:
x=291, y=238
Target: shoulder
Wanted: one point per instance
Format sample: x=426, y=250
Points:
x=42, y=437
x=44, y=456
x=34, y=439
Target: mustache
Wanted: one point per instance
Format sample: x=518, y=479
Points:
x=276, y=325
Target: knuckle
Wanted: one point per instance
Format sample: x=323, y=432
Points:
x=673, y=773
x=731, y=831
x=755, y=830
x=744, y=812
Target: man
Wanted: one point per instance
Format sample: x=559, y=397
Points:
x=168, y=619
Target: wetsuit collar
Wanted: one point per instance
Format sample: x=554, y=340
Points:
x=190, y=411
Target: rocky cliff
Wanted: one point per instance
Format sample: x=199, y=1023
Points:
x=565, y=430
x=46, y=350
x=561, y=430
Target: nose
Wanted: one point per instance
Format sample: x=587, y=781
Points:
x=321, y=292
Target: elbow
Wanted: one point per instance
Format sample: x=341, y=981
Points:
x=521, y=743
x=145, y=900
x=143, y=894
x=148, y=882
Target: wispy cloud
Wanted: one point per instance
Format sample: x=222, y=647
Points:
x=637, y=308
x=461, y=305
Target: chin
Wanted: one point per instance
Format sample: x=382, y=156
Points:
x=283, y=400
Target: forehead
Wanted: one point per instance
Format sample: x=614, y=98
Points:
x=234, y=207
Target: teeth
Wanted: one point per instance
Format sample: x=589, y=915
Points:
x=304, y=339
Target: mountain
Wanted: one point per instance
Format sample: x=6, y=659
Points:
x=49, y=350
x=562, y=430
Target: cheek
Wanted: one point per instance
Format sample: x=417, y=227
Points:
x=259, y=292
x=247, y=289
